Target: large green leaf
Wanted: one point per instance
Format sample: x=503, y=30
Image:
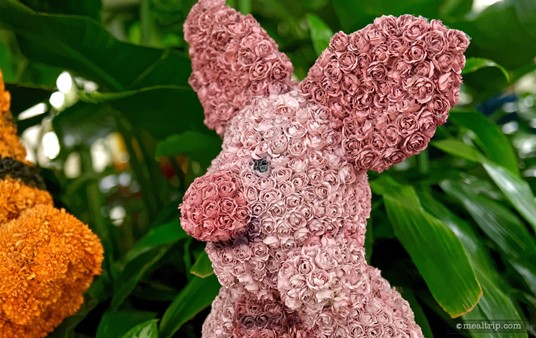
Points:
x=162, y=111
x=161, y=235
x=502, y=227
x=498, y=33
x=458, y=148
x=489, y=137
x=91, y=8
x=516, y=190
x=142, y=258
x=357, y=14
x=473, y=64
x=199, y=146
x=495, y=302
x=430, y=243
x=86, y=48
x=148, y=329
x=320, y=33
x=202, y=267
x=116, y=324
x=196, y=296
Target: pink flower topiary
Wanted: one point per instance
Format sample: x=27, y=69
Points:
x=285, y=204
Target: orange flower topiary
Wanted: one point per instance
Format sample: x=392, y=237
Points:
x=48, y=258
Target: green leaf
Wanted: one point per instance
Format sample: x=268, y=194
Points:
x=516, y=190
x=86, y=48
x=495, y=302
x=502, y=227
x=498, y=33
x=202, y=267
x=199, y=146
x=458, y=148
x=89, y=8
x=420, y=316
x=148, y=329
x=354, y=15
x=161, y=235
x=116, y=324
x=320, y=33
x=146, y=109
x=430, y=243
x=489, y=137
x=142, y=258
x=196, y=296
x=474, y=63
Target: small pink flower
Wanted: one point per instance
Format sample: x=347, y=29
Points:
x=339, y=42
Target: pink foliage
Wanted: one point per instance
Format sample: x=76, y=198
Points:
x=284, y=206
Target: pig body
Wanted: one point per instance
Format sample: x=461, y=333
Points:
x=284, y=206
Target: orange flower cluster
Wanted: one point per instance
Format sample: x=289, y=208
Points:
x=48, y=258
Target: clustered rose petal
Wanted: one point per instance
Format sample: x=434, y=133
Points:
x=233, y=60
x=290, y=178
x=398, y=74
x=214, y=208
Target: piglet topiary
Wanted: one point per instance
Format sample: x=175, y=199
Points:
x=284, y=206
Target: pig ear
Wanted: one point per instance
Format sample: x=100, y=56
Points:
x=388, y=86
x=233, y=60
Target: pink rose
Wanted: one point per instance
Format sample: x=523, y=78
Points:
x=376, y=71
x=260, y=70
x=296, y=147
x=295, y=220
x=220, y=38
x=444, y=62
x=407, y=124
x=424, y=69
x=394, y=156
x=377, y=141
x=246, y=58
x=280, y=70
x=350, y=83
x=352, y=146
x=374, y=36
x=358, y=43
x=364, y=130
x=414, y=143
x=264, y=49
x=239, y=29
x=367, y=158
x=319, y=95
x=339, y=42
x=427, y=123
x=440, y=107
x=415, y=54
x=347, y=62
x=398, y=46
x=388, y=25
x=422, y=89
x=435, y=41
x=415, y=29
x=381, y=53
x=458, y=41
x=205, y=22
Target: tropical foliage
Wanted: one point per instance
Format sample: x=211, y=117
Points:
x=453, y=228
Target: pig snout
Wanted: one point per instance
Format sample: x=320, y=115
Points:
x=214, y=208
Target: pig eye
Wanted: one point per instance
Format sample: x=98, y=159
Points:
x=261, y=165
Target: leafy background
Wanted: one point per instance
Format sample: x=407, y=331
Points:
x=453, y=228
